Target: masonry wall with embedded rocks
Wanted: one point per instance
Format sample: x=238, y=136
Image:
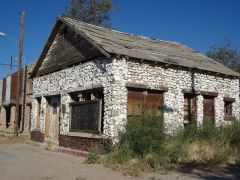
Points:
x=113, y=75
x=177, y=80
x=110, y=75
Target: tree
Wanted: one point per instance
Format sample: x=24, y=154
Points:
x=95, y=12
x=226, y=54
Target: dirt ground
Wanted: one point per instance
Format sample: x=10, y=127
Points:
x=21, y=161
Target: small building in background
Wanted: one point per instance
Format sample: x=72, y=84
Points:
x=8, y=93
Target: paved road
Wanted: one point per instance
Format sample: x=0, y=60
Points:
x=25, y=162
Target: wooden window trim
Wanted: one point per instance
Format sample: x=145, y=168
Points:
x=228, y=99
x=187, y=91
x=208, y=93
x=145, y=87
x=95, y=95
x=99, y=131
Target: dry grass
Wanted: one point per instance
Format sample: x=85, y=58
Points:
x=143, y=148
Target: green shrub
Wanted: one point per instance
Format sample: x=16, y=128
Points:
x=93, y=156
x=143, y=136
x=143, y=139
x=120, y=154
x=234, y=129
x=145, y=143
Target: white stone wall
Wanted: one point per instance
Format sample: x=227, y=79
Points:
x=113, y=75
x=176, y=80
x=34, y=114
x=115, y=97
x=108, y=74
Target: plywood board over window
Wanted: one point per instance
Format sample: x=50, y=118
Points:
x=208, y=109
x=144, y=101
x=190, y=108
x=228, y=108
x=135, y=103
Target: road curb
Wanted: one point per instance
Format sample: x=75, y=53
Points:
x=60, y=149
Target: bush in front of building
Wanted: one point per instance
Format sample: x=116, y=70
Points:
x=144, y=145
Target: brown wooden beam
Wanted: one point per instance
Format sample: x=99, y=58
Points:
x=229, y=99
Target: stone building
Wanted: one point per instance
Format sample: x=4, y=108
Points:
x=88, y=80
x=8, y=92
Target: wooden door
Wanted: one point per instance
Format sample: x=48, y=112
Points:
x=208, y=109
x=54, y=119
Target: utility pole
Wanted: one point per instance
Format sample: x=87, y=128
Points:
x=19, y=79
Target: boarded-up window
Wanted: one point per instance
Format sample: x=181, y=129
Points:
x=189, y=108
x=228, y=110
x=86, y=116
x=143, y=101
x=208, y=109
x=135, y=103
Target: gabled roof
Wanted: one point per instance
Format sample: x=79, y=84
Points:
x=110, y=42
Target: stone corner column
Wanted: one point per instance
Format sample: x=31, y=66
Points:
x=115, y=99
x=27, y=120
x=199, y=110
x=65, y=114
x=219, y=111
x=33, y=117
x=42, y=114
x=173, y=111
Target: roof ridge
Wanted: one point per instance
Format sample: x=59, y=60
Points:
x=129, y=34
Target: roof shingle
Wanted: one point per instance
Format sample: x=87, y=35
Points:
x=114, y=42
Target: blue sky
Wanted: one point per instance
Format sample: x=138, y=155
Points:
x=196, y=23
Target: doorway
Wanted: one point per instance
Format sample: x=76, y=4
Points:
x=52, y=119
x=8, y=116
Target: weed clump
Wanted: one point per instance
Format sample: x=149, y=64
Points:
x=146, y=145
x=93, y=156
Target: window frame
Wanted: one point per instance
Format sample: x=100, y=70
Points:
x=144, y=102
x=228, y=103
x=82, y=97
x=192, y=101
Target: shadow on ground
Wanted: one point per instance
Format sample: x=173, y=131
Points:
x=228, y=172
